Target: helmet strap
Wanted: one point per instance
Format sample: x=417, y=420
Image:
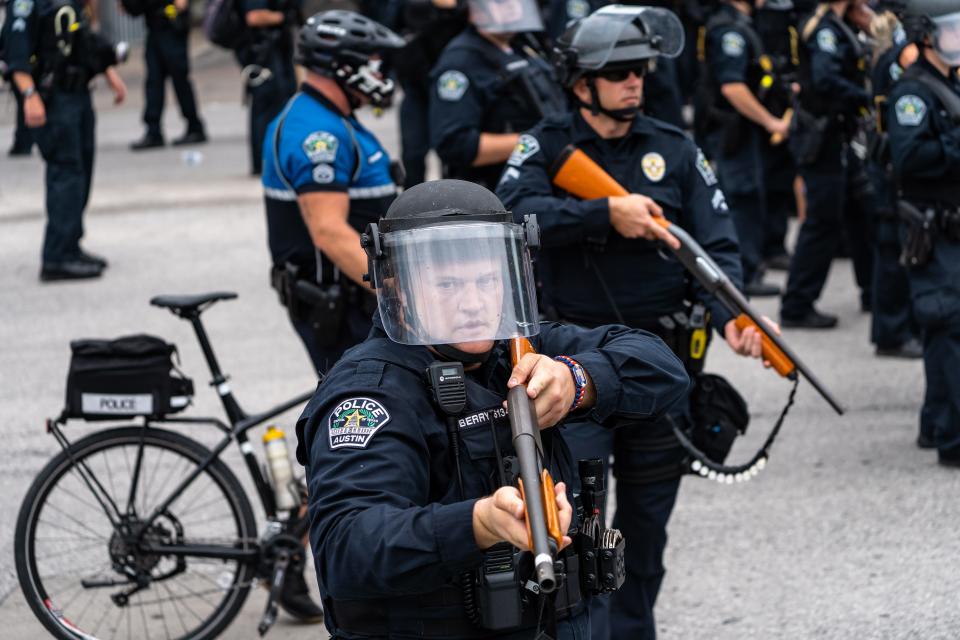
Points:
x=627, y=114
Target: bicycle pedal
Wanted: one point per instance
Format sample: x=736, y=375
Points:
x=269, y=617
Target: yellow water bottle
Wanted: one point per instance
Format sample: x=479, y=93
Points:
x=278, y=459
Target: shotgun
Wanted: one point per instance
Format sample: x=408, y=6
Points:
x=536, y=485
x=577, y=174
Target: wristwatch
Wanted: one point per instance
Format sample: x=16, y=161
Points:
x=579, y=380
x=26, y=93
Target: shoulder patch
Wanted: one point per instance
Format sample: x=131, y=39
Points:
x=733, y=44
x=910, y=110
x=452, y=85
x=22, y=8
x=321, y=146
x=896, y=71
x=577, y=9
x=654, y=166
x=527, y=146
x=354, y=422
x=323, y=173
x=19, y=25
x=705, y=170
x=827, y=41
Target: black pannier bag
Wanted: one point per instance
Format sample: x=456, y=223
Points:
x=123, y=378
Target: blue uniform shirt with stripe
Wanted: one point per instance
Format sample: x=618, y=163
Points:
x=318, y=149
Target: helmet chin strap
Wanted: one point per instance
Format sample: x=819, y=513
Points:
x=626, y=114
x=450, y=352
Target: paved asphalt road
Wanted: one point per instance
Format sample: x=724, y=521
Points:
x=849, y=533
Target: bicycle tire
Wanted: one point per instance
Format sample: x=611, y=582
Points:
x=67, y=621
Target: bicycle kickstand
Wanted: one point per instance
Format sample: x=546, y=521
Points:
x=276, y=583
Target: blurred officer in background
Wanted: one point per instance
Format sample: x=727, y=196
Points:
x=775, y=23
x=833, y=98
x=893, y=329
x=428, y=25
x=924, y=124
x=22, y=143
x=325, y=177
x=599, y=265
x=267, y=61
x=53, y=55
x=737, y=127
x=416, y=521
x=166, y=55
x=490, y=84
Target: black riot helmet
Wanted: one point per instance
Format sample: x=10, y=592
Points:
x=342, y=45
x=451, y=267
x=938, y=20
x=615, y=36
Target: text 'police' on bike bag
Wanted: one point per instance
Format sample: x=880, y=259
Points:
x=123, y=378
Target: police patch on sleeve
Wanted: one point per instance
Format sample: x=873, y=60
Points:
x=733, y=44
x=827, y=41
x=452, y=85
x=706, y=171
x=527, y=145
x=321, y=146
x=22, y=8
x=654, y=166
x=577, y=9
x=354, y=422
x=323, y=174
x=910, y=110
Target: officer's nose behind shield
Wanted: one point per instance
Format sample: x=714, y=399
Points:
x=599, y=41
x=946, y=37
x=456, y=283
x=505, y=16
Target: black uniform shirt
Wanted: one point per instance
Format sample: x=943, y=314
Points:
x=924, y=142
x=836, y=67
x=31, y=32
x=732, y=52
x=654, y=159
x=386, y=517
x=474, y=91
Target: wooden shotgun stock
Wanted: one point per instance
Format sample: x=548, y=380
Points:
x=536, y=485
x=576, y=173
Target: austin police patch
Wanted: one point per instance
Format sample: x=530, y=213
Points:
x=654, y=166
x=354, y=422
x=22, y=8
x=706, y=171
x=321, y=146
x=323, y=174
x=452, y=85
x=910, y=110
x=733, y=44
x=527, y=145
x=827, y=41
x=577, y=9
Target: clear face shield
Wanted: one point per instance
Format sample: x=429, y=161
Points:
x=505, y=16
x=455, y=283
x=601, y=39
x=946, y=38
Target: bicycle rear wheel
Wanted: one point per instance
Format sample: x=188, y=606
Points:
x=80, y=574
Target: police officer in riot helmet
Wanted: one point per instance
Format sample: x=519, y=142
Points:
x=326, y=176
x=832, y=100
x=416, y=522
x=735, y=122
x=52, y=55
x=490, y=83
x=593, y=251
x=266, y=59
x=924, y=128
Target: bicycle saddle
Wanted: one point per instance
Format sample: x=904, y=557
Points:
x=185, y=304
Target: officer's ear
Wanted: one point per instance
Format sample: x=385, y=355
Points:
x=580, y=90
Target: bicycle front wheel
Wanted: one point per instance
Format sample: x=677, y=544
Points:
x=87, y=575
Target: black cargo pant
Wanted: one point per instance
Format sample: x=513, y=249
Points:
x=166, y=57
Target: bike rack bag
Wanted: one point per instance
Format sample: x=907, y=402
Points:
x=123, y=378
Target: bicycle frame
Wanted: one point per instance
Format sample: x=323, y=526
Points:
x=240, y=424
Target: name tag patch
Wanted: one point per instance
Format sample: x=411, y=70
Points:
x=480, y=418
x=354, y=422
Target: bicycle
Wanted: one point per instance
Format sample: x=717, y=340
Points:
x=101, y=532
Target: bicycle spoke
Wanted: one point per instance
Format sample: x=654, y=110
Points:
x=176, y=609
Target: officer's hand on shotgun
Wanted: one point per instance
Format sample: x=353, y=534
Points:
x=633, y=216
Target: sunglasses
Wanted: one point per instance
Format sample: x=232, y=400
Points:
x=621, y=74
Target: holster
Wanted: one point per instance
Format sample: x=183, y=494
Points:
x=921, y=227
x=323, y=306
x=807, y=133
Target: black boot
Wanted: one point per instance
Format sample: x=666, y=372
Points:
x=295, y=599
